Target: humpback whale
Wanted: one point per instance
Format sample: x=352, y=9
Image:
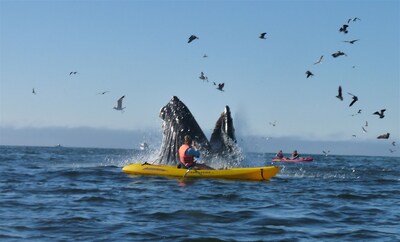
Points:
x=178, y=121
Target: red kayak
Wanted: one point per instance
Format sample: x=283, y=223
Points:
x=293, y=160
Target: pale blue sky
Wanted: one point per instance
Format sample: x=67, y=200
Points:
x=139, y=49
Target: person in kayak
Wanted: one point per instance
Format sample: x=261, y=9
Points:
x=295, y=155
x=187, y=153
x=279, y=155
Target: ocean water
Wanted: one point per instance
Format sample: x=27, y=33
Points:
x=80, y=194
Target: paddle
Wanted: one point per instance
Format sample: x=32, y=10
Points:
x=188, y=171
x=191, y=167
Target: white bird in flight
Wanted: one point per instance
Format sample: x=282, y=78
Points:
x=119, y=104
x=319, y=60
x=364, y=130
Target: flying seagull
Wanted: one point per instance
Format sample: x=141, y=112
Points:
x=205, y=56
x=355, y=99
x=338, y=53
x=119, y=104
x=344, y=29
x=394, y=143
x=309, y=73
x=340, y=94
x=102, y=93
x=326, y=152
x=73, y=72
x=221, y=86
x=354, y=19
x=33, y=91
x=384, y=136
x=366, y=124
x=364, y=130
x=273, y=123
x=203, y=77
x=192, y=37
x=319, y=60
x=391, y=151
x=358, y=112
x=262, y=36
x=351, y=41
x=380, y=114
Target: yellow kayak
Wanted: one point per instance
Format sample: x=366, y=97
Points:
x=254, y=173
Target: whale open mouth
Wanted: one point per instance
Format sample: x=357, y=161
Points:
x=178, y=121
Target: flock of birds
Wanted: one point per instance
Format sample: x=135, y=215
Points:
x=119, y=101
x=354, y=98
x=343, y=29
x=220, y=86
x=380, y=113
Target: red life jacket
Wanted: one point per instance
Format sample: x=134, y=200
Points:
x=185, y=159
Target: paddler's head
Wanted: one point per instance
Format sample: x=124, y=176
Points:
x=187, y=140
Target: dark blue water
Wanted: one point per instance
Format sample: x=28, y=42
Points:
x=79, y=194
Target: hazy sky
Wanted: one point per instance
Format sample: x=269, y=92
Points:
x=139, y=49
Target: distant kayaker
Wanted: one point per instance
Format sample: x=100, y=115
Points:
x=295, y=155
x=279, y=155
x=187, y=153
